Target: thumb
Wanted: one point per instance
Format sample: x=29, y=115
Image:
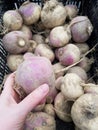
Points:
x=33, y=98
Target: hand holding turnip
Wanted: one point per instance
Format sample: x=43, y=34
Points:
x=10, y=106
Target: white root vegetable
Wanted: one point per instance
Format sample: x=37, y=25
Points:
x=32, y=46
x=49, y=109
x=59, y=36
x=86, y=63
x=84, y=112
x=81, y=34
x=45, y=50
x=38, y=38
x=53, y=14
x=71, y=11
x=30, y=12
x=63, y=107
x=90, y=88
x=71, y=86
x=15, y=42
x=39, y=121
x=13, y=61
x=79, y=71
x=12, y=20
x=68, y=54
x=27, y=31
x=58, y=82
x=57, y=67
x=83, y=47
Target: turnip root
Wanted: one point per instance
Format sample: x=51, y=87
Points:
x=58, y=83
x=12, y=20
x=86, y=63
x=49, y=109
x=83, y=47
x=15, y=42
x=71, y=11
x=81, y=34
x=71, y=86
x=38, y=38
x=39, y=107
x=84, y=112
x=27, y=31
x=30, y=12
x=57, y=67
x=90, y=88
x=13, y=61
x=45, y=50
x=79, y=71
x=59, y=36
x=28, y=55
x=53, y=14
x=35, y=71
x=32, y=46
x=39, y=121
x=63, y=107
x=68, y=54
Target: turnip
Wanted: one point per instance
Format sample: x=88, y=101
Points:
x=58, y=82
x=39, y=121
x=53, y=14
x=71, y=11
x=27, y=31
x=12, y=20
x=63, y=107
x=81, y=34
x=79, y=71
x=84, y=112
x=35, y=71
x=32, y=46
x=86, y=63
x=83, y=47
x=59, y=36
x=30, y=12
x=71, y=86
x=45, y=50
x=15, y=42
x=38, y=38
x=28, y=55
x=68, y=54
x=49, y=109
x=90, y=88
x=13, y=61
x=57, y=67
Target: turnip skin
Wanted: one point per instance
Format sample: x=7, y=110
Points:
x=39, y=121
x=12, y=20
x=35, y=71
x=53, y=14
x=86, y=109
x=15, y=42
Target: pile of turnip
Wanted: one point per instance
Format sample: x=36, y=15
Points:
x=47, y=45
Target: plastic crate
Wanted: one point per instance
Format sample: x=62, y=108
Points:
x=83, y=9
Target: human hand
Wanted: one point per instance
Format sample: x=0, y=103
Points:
x=12, y=112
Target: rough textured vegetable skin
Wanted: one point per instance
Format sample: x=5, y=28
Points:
x=12, y=20
x=39, y=121
x=35, y=71
x=53, y=14
x=13, y=61
x=15, y=42
x=63, y=107
x=84, y=112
